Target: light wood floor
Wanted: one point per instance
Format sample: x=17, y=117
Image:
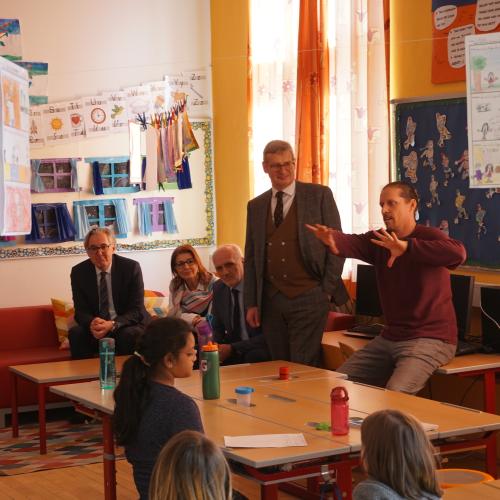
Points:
x=86, y=483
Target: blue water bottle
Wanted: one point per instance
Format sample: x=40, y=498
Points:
x=107, y=370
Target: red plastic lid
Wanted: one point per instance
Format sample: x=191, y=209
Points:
x=339, y=393
x=211, y=346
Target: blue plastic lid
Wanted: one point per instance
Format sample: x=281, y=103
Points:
x=244, y=390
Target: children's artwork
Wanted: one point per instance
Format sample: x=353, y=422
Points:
x=452, y=21
x=75, y=119
x=15, y=215
x=439, y=166
x=97, y=115
x=139, y=101
x=159, y=96
x=56, y=123
x=118, y=110
x=39, y=81
x=483, y=110
x=35, y=127
x=196, y=86
x=10, y=39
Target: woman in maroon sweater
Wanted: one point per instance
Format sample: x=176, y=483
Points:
x=412, y=265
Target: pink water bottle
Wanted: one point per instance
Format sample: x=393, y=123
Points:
x=340, y=411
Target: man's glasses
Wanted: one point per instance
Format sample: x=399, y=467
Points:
x=285, y=164
x=181, y=263
x=102, y=248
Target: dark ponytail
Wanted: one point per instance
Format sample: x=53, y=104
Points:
x=132, y=394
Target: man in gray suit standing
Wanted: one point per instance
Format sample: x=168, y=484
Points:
x=289, y=277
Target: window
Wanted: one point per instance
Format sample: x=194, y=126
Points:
x=155, y=214
x=50, y=223
x=101, y=213
x=112, y=175
x=54, y=175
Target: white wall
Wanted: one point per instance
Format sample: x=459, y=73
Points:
x=92, y=46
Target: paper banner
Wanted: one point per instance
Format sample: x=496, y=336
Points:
x=76, y=119
x=55, y=123
x=97, y=115
x=139, y=101
x=10, y=39
x=39, y=81
x=35, y=128
x=198, y=103
x=159, y=97
x=118, y=108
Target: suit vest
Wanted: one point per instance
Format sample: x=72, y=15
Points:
x=285, y=270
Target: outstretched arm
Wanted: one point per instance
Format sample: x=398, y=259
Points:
x=325, y=235
x=390, y=241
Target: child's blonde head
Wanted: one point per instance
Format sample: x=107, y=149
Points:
x=397, y=452
x=190, y=467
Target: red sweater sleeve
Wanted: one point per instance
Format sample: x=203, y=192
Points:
x=441, y=251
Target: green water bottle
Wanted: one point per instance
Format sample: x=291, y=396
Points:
x=209, y=367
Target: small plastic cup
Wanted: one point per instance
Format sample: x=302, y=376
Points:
x=244, y=395
x=284, y=373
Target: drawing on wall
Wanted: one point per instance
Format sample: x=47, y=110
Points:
x=452, y=22
x=10, y=39
x=440, y=171
x=35, y=128
x=17, y=206
x=39, y=81
x=118, y=110
x=483, y=110
x=97, y=115
x=55, y=123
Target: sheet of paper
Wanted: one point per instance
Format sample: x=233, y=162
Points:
x=265, y=441
x=429, y=427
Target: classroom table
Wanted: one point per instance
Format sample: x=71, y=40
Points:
x=46, y=375
x=469, y=365
x=292, y=406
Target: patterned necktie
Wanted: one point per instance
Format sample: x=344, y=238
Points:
x=236, y=314
x=103, y=297
x=278, y=211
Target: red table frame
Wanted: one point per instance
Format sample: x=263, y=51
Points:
x=41, y=397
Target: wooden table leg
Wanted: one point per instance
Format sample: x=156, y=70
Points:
x=108, y=458
x=42, y=423
x=13, y=405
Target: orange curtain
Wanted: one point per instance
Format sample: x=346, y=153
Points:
x=312, y=115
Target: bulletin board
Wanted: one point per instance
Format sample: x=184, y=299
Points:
x=431, y=153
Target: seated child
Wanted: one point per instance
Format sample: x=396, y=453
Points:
x=191, y=467
x=398, y=458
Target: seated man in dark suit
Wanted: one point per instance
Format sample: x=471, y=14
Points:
x=238, y=341
x=108, y=293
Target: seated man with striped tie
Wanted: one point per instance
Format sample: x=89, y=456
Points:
x=108, y=294
x=238, y=341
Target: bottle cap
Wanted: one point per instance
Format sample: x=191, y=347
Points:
x=242, y=389
x=284, y=372
x=211, y=346
x=339, y=393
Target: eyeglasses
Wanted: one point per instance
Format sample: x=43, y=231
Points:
x=285, y=164
x=182, y=263
x=102, y=248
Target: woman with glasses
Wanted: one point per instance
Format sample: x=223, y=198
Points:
x=191, y=288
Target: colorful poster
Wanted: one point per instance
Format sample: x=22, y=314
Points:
x=452, y=21
x=483, y=109
x=15, y=200
x=39, y=81
x=97, y=115
x=55, y=123
x=75, y=119
x=10, y=39
x=118, y=110
x=139, y=101
x=35, y=128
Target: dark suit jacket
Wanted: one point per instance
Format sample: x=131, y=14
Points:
x=315, y=205
x=222, y=308
x=128, y=292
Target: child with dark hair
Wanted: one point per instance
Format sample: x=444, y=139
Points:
x=398, y=458
x=149, y=410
